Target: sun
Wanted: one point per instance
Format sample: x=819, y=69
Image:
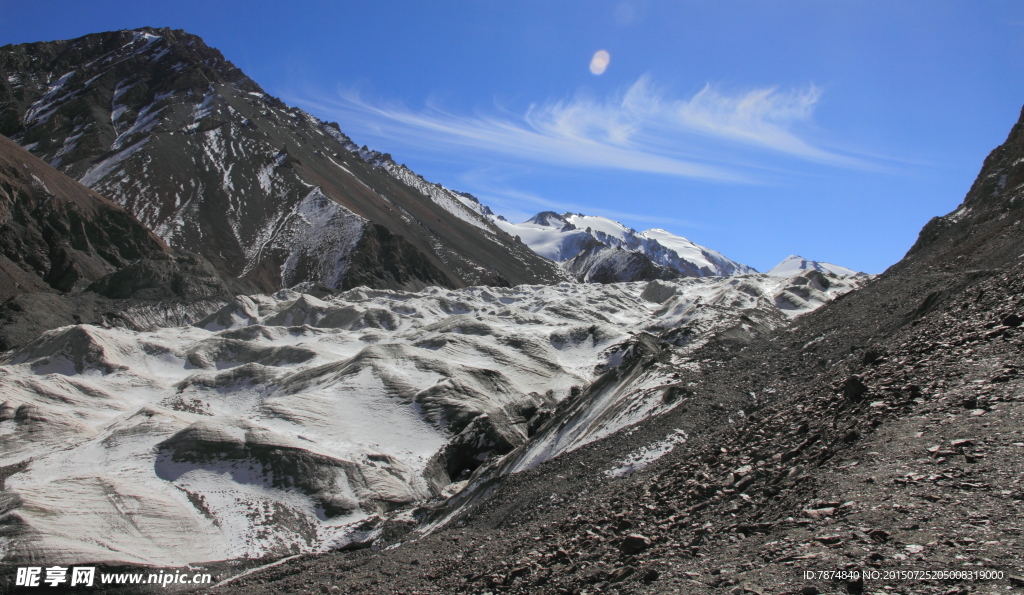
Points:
x=600, y=61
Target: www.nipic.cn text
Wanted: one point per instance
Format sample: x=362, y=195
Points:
x=85, y=576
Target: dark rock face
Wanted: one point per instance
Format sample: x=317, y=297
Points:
x=974, y=235
x=854, y=389
x=164, y=126
x=482, y=439
x=384, y=260
x=56, y=234
x=634, y=544
x=123, y=55
x=166, y=276
x=70, y=256
x=598, y=263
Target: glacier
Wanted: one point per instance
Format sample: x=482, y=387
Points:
x=304, y=420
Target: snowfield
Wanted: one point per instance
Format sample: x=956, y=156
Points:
x=294, y=423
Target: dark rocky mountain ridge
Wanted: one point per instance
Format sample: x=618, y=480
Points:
x=164, y=126
x=69, y=255
x=57, y=234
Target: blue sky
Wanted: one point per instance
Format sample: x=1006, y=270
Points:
x=833, y=130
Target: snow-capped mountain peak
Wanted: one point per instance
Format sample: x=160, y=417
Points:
x=794, y=264
x=548, y=219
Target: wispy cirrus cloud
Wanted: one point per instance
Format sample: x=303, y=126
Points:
x=713, y=135
x=760, y=117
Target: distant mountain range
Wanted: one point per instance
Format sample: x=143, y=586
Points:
x=598, y=249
